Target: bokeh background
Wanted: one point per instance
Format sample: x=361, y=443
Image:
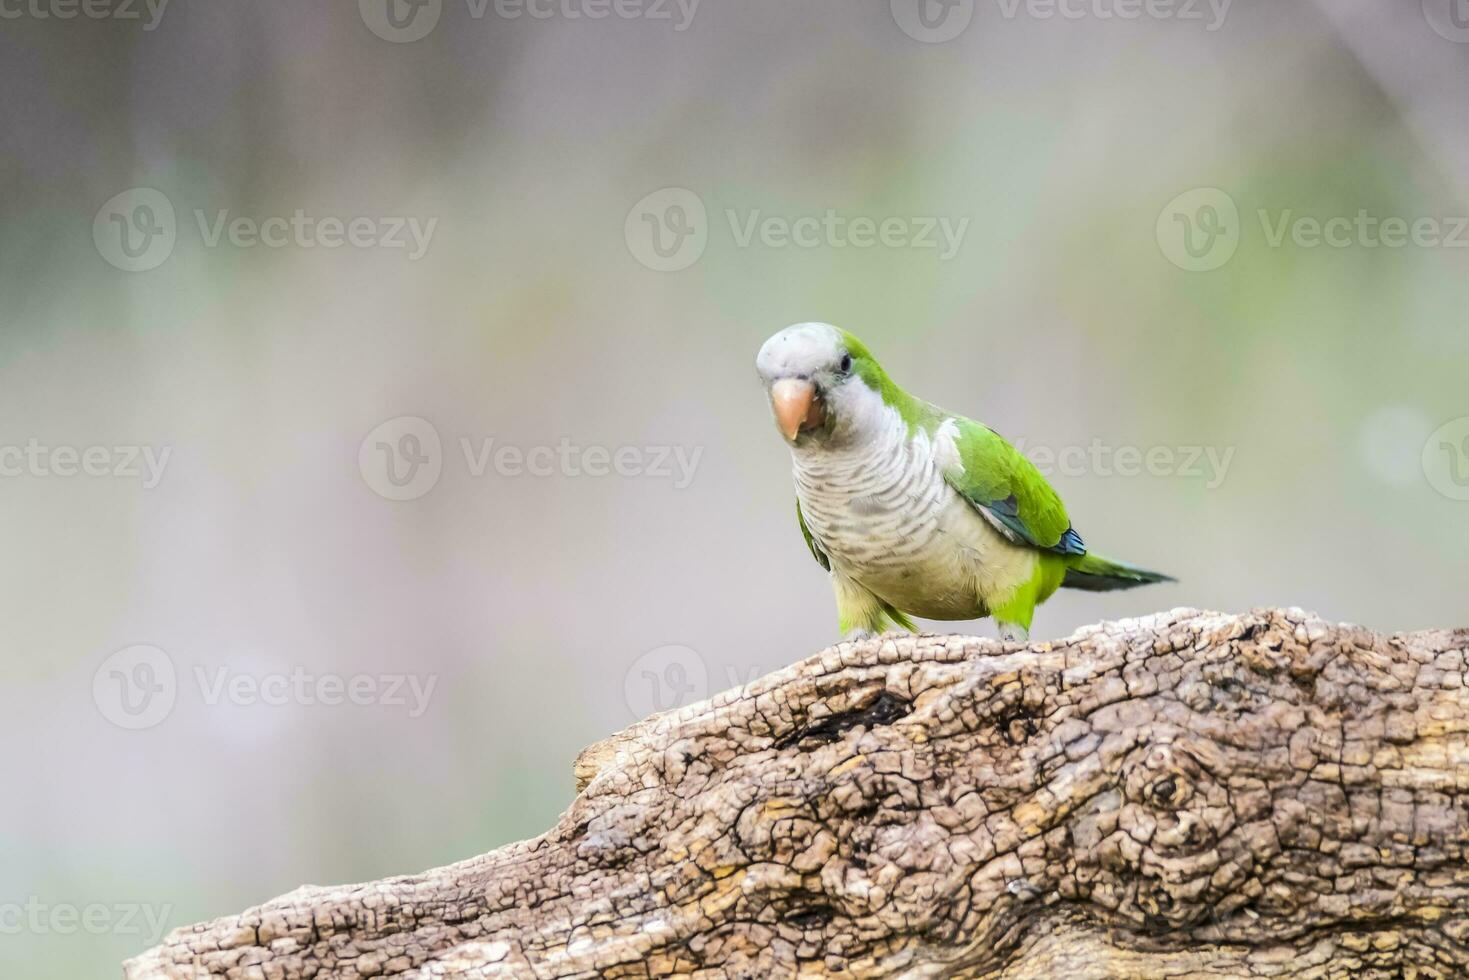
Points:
x=1114, y=290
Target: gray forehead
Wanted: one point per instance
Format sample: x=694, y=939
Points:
x=802, y=349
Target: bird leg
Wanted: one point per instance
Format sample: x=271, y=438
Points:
x=860, y=614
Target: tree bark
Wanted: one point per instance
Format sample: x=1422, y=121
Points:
x=1187, y=795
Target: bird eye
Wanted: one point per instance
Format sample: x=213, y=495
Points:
x=846, y=363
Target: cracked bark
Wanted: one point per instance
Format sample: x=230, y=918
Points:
x=1187, y=795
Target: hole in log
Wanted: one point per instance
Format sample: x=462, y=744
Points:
x=885, y=709
x=812, y=917
x=1015, y=726
x=1164, y=791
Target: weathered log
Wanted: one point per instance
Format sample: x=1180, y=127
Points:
x=1187, y=795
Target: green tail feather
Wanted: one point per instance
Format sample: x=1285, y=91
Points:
x=1094, y=573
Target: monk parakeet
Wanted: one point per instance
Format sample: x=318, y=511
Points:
x=915, y=511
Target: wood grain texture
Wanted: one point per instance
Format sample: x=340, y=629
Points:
x=1187, y=795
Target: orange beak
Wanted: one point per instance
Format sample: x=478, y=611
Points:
x=796, y=406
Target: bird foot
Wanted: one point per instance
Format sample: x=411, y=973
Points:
x=857, y=635
x=1010, y=633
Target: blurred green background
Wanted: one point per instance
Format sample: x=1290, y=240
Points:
x=1115, y=291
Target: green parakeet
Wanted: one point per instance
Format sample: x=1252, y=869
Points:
x=915, y=511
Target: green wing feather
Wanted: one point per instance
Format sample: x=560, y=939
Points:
x=816, y=551
x=1008, y=490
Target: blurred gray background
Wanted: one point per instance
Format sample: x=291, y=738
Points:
x=279, y=606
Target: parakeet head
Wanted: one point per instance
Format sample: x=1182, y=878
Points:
x=823, y=384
